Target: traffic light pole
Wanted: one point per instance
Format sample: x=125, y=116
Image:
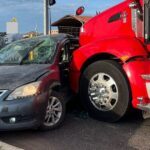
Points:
x=46, y=17
x=50, y=13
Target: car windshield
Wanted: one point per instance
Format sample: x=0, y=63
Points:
x=35, y=50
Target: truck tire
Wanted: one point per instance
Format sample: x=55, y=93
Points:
x=55, y=111
x=104, y=91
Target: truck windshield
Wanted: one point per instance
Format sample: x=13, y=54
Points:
x=35, y=50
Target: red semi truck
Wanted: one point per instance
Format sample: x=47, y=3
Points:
x=111, y=69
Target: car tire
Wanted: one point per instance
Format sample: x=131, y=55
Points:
x=104, y=91
x=55, y=111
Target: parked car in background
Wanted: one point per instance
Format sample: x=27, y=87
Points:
x=34, y=82
x=2, y=42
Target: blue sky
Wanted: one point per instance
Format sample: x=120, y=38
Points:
x=29, y=13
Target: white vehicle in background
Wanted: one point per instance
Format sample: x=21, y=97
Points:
x=12, y=37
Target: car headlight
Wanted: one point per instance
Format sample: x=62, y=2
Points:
x=24, y=91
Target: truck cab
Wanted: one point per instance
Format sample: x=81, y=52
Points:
x=111, y=69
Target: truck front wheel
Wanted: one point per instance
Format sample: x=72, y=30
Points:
x=104, y=91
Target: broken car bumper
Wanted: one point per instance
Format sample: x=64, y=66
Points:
x=22, y=113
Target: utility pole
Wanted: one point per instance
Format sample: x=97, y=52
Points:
x=48, y=3
x=46, y=17
x=50, y=13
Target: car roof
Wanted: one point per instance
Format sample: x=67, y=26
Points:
x=58, y=37
x=61, y=36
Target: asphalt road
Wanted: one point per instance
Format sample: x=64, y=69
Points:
x=80, y=132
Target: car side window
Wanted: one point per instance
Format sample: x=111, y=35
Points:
x=67, y=50
x=65, y=58
x=65, y=53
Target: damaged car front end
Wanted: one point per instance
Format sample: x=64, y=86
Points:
x=30, y=84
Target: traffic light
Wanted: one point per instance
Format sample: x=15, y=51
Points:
x=80, y=11
x=52, y=2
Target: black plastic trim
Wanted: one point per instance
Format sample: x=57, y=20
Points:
x=115, y=17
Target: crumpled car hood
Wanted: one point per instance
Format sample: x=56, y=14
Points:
x=12, y=77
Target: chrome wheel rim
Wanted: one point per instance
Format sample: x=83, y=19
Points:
x=53, y=111
x=103, y=92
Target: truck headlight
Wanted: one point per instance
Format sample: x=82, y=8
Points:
x=148, y=89
x=146, y=76
x=24, y=91
x=82, y=29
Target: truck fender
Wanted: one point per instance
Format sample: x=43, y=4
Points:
x=134, y=71
x=121, y=48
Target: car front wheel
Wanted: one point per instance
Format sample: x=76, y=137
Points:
x=55, y=111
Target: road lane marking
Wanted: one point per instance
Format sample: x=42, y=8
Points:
x=5, y=146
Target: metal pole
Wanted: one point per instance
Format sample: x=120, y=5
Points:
x=46, y=18
x=50, y=13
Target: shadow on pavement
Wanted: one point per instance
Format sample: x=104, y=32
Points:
x=80, y=132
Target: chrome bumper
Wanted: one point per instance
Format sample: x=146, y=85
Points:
x=144, y=107
x=146, y=110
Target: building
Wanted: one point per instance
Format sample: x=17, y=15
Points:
x=12, y=27
x=30, y=34
x=71, y=24
x=53, y=32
